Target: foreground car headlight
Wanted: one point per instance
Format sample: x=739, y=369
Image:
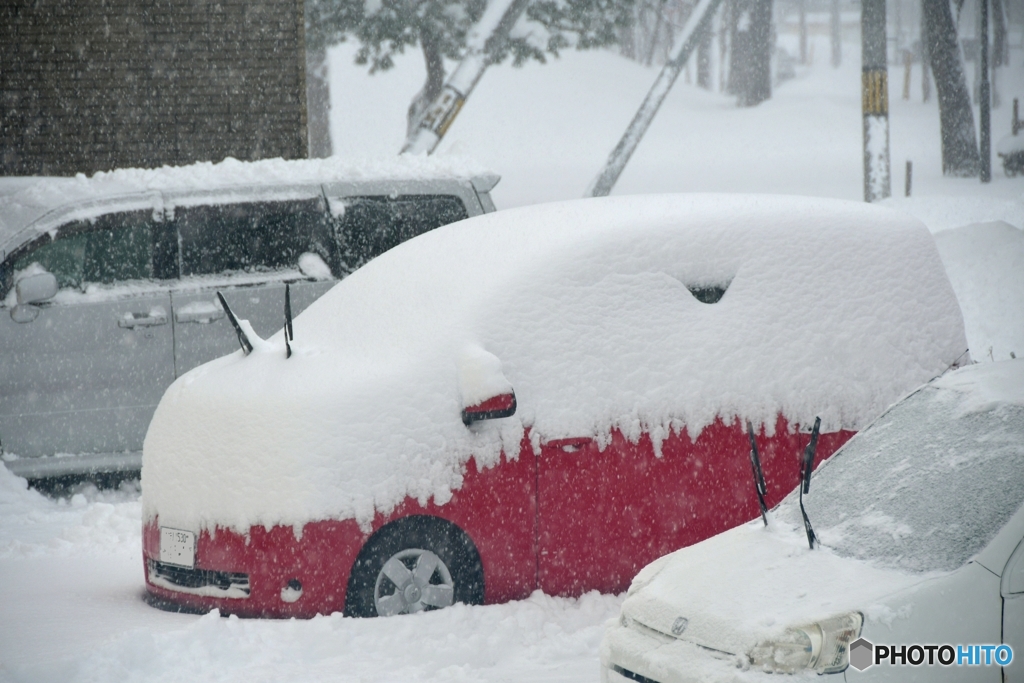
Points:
x=823, y=647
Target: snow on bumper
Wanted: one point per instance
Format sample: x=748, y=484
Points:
x=636, y=654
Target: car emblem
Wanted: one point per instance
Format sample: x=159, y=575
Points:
x=679, y=625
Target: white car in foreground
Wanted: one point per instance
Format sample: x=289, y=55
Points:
x=918, y=556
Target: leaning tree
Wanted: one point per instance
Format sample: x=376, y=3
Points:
x=439, y=28
x=959, y=144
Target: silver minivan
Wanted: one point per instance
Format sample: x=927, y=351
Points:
x=108, y=285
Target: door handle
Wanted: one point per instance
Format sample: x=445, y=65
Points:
x=155, y=316
x=202, y=316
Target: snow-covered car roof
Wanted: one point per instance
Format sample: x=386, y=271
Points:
x=831, y=309
x=24, y=201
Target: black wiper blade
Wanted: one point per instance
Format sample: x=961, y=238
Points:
x=289, y=334
x=243, y=340
x=807, y=468
x=808, y=459
x=755, y=464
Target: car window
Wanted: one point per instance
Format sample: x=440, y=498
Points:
x=369, y=226
x=251, y=236
x=924, y=487
x=111, y=248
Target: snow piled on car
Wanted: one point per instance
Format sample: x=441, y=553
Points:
x=597, y=312
x=985, y=264
x=24, y=200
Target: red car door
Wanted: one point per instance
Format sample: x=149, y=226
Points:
x=604, y=514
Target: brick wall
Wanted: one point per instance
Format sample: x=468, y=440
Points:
x=90, y=85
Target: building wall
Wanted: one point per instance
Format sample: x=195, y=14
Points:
x=90, y=85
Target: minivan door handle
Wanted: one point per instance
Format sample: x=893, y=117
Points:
x=199, y=315
x=155, y=316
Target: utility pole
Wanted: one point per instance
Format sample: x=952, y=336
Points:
x=698, y=21
x=875, y=100
x=985, y=100
x=488, y=35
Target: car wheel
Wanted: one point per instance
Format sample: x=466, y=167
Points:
x=413, y=564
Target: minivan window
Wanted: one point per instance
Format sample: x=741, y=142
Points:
x=251, y=236
x=924, y=487
x=111, y=248
x=368, y=226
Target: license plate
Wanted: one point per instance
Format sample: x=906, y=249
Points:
x=178, y=547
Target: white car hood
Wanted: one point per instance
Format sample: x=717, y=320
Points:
x=753, y=582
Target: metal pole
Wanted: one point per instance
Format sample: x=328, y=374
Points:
x=985, y=97
x=696, y=24
x=875, y=100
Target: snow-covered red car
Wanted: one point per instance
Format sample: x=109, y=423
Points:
x=543, y=398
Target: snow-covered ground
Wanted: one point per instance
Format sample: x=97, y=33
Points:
x=71, y=581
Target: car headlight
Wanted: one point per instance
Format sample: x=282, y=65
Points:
x=823, y=647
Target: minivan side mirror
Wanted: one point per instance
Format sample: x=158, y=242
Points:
x=32, y=289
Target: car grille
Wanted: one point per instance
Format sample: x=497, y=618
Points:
x=207, y=582
x=631, y=675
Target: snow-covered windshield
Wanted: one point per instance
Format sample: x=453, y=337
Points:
x=925, y=487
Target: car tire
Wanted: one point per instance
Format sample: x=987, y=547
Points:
x=413, y=564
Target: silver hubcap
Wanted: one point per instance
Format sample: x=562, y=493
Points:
x=411, y=581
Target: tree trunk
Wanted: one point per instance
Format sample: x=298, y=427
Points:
x=435, y=80
x=737, y=52
x=750, y=73
x=704, y=59
x=802, y=8
x=926, y=79
x=837, y=34
x=959, y=144
x=1000, y=46
x=318, y=104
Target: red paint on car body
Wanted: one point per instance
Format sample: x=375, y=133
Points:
x=499, y=403
x=570, y=519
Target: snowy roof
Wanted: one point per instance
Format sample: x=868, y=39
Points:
x=831, y=309
x=25, y=200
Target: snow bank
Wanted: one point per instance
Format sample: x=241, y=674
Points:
x=831, y=309
x=941, y=213
x=541, y=638
x=89, y=522
x=985, y=264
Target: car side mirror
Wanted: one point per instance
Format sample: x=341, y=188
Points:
x=502, y=405
x=486, y=392
x=32, y=289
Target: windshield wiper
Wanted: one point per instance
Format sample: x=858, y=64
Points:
x=289, y=333
x=807, y=467
x=755, y=464
x=243, y=340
